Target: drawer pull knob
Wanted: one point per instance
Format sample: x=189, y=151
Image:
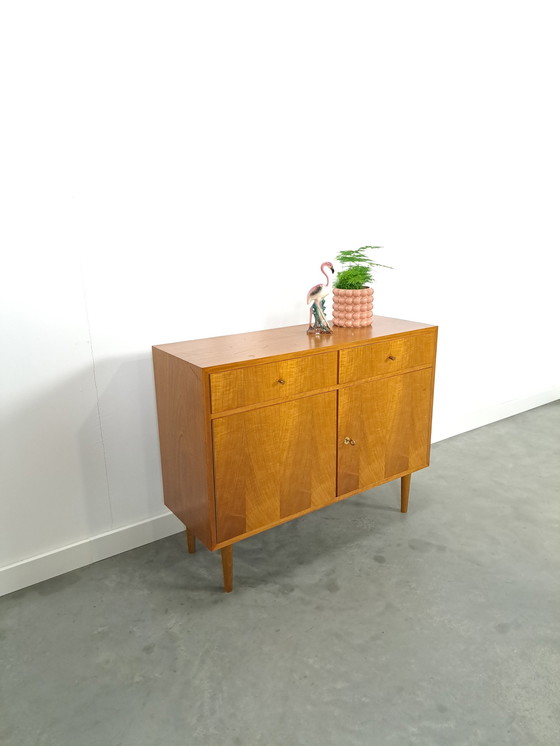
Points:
x=391, y=357
x=349, y=442
x=282, y=381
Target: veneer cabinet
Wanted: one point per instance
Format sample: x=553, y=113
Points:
x=259, y=428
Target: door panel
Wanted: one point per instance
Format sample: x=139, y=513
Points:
x=273, y=462
x=389, y=421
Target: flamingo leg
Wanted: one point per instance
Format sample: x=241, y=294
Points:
x=320, y=324
x=324, y=324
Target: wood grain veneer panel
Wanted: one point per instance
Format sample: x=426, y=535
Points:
x=184, y=443
x=283, y=379
x=289, y=341
x=274, y=462
x=387, y=357
x=389, y=420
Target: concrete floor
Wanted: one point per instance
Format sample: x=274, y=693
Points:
x=355, y=625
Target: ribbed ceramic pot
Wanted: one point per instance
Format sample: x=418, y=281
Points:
x=352, y=307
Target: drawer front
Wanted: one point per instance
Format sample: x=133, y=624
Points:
x=387, y=357
x=280, y=380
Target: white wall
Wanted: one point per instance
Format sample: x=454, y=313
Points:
x=179, y=170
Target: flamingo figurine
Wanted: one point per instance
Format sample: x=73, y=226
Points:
x=318, y=323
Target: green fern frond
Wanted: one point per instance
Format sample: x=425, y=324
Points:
x=359, y=271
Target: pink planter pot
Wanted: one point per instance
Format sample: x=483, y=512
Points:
x=353, y=307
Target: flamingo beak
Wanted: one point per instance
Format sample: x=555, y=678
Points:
x=332, y=270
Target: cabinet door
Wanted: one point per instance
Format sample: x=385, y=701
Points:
x=274, y=462
x=389, y=422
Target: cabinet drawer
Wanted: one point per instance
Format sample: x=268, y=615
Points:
x=386, y=357
x=280, y=380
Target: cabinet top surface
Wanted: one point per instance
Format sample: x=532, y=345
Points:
x=288, y=341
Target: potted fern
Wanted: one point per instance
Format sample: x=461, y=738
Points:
x=353, y=298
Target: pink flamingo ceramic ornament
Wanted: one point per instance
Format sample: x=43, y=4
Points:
x=318, y=323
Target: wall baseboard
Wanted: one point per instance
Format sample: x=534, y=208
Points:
x=59, y=561
x=472, y=420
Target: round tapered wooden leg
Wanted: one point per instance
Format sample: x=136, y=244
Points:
x=405, y=489
x=191, y=542
x=227, y=565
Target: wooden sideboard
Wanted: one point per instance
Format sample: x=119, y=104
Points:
x=256, y=429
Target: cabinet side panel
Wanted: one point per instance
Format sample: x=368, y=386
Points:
x=431, y=411
x=183, y=428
